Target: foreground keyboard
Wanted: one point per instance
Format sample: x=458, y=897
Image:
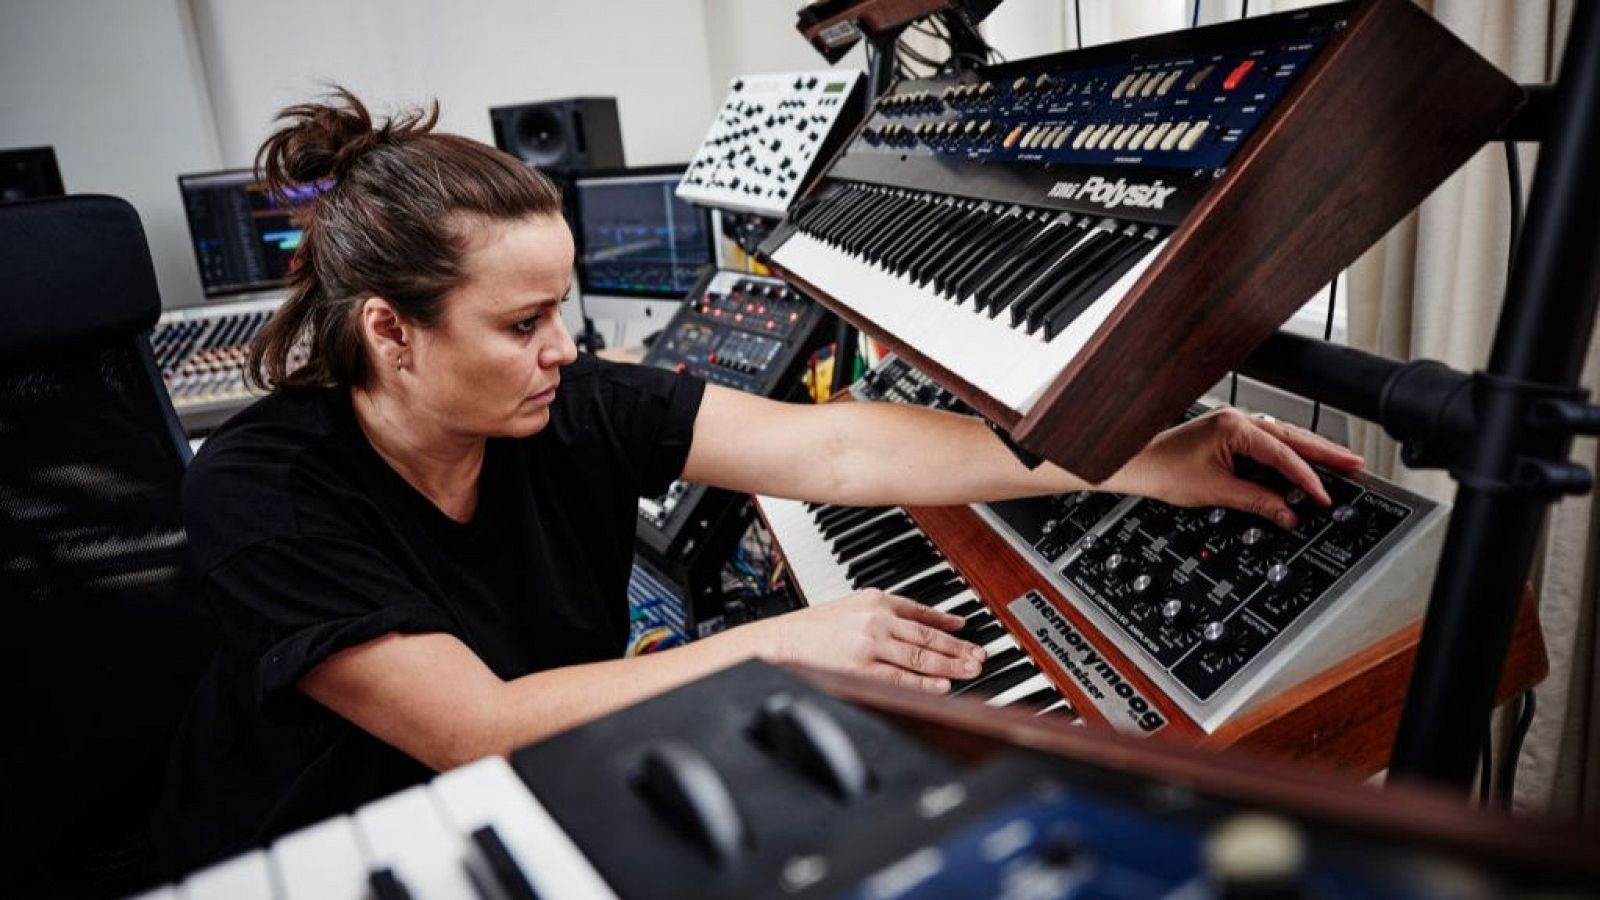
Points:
x=833, y=550
x=1079, y=245
x=472, y=832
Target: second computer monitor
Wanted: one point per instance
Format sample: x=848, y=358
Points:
x=243, y=236
x=640, y=248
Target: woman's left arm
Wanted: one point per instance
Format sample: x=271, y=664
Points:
x=865, y=454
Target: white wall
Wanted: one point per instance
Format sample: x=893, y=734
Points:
x=649, y=54
x=114, y=87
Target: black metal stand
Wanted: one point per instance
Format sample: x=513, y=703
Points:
x=1503, y=433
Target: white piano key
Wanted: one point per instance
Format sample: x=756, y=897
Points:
x=405, y=832
x=165, y=892
x=488, y=792
x=1012, y=694
x=322, y=862
x=1006, y=363
x=246, y=877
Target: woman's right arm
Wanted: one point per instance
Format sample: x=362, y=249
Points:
x=431, y=697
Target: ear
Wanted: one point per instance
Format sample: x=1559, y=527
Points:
x=387, y=334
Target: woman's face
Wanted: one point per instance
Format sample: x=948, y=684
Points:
x=491, y=364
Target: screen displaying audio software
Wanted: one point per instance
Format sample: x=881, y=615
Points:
x=636, y=238
x=243, y=238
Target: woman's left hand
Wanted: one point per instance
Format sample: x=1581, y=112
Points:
x=1192, y=464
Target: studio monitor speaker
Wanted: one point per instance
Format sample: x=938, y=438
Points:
x=561, y=136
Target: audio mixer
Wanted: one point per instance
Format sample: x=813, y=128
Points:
x=1220, y=609
x=745, y=332
x=768, y=137
x=201, y=353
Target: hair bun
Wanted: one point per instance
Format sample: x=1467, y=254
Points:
x=325, y=140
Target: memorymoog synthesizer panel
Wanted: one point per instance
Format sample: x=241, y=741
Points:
x=770, y=133
x=201, y=354
x=1218, y=607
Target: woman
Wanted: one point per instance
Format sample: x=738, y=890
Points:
x=417, y=547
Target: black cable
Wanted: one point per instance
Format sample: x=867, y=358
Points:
x=1327, y=335
x=1485, y=766
x=1244, y=9
x=1514, y=176
x=1194, y=20
x=1519, y=733
x=1077, y=20
x=1233, y=389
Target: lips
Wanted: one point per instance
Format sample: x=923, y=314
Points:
x=545, y=395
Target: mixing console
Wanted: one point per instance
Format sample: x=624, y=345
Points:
x=739, y=331
x=201, y=352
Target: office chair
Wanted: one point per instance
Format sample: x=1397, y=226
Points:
x=101, y=643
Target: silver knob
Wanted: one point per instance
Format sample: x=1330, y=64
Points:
x=1142, y=583
x=1214, y=632
x=1342, y=514
x=1172, y=610
x=1295, y=497
x=1216, y=514
x=1277, y=573
x=1114, y=562
x=1252, y=536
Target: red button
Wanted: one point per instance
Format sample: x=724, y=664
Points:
x=1238, y=74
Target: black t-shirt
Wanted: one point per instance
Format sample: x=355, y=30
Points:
x=307, y=543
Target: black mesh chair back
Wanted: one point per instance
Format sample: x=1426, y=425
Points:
x=101, y=645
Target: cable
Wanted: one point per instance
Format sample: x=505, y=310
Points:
x=1194, y=20
x=1485, y=766
x=1514, y=177
x=1233, y=389
x=1244, y=9
x=1327, y=335
x=1077, y=20
x=1519, y=733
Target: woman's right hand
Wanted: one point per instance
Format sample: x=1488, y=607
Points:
x=875, y=634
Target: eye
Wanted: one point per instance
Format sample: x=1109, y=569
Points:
x=526, y=326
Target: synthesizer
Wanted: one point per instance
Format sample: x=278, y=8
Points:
x=769, y=137
x=757, y=781
x=1079, y=245
x=201, y=352
x=1207, y=623
x=745, y=332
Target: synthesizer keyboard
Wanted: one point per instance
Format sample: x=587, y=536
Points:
x=1079, y=245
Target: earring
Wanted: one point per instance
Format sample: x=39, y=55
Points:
x=399, y=363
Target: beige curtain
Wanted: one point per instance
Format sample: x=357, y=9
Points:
x=1432, y=289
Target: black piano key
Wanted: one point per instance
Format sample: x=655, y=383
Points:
x=940, y=273
x=1036, y=701
x=1018, y=256
x=886, y=227
x=867, y=537
x=1045, y=247
x=1069, y=283
x=934, y=594
x=1005, y=680
x=976, y=622
x=502, y=866
x=826, y=219
x=913, y=220
x=967, y=609
x=867, y=226
x=890, y=557
x=1067, y=310
x=956, y=237
x=386, y=885
x=992, y=631
x=843, y=518
x=873, y=553
x=995, y=248
x=896, y=571
x=840, y=526
x=992, y=666
x=931, y=582
x=1030, y=297
x=941, y=222
x=857, y=206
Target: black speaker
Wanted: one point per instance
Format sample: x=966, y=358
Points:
x=561, y=136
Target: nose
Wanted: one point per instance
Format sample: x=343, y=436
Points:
x=561, y=350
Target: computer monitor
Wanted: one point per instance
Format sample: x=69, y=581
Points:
x=640, y=248
x=243, y=237
x=29, y=173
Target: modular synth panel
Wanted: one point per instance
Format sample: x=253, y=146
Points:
x=770, y=134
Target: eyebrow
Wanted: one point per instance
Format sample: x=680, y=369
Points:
x=540, y=304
